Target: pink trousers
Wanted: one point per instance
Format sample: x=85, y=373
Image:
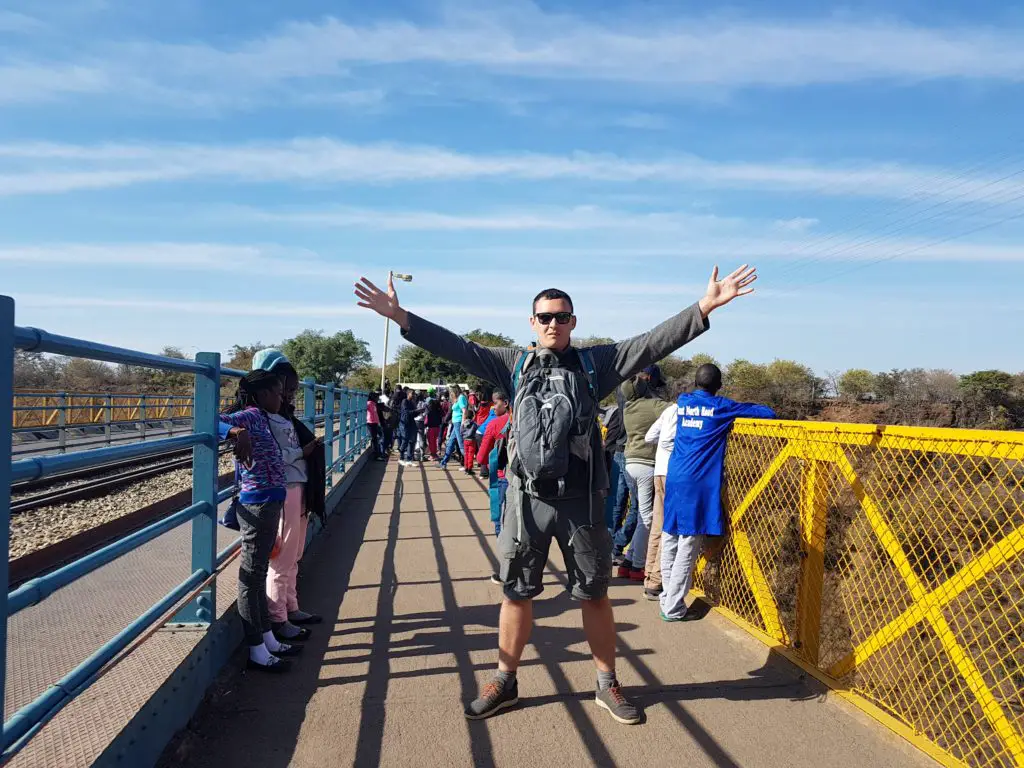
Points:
x=284, y=568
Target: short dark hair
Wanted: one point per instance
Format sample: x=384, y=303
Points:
x=552, y=294
x=500, y=395
x=709, y=378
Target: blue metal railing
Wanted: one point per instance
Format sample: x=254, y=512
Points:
x=343, y=417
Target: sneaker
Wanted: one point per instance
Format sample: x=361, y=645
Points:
x=617, y=705
x=496, y=579
x=618, y=560
x=671, y=618
x=624, y=571
x=495, y=697
x=652, y=594
x=635, y=575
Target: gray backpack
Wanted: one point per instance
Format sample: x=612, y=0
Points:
x=553, y=414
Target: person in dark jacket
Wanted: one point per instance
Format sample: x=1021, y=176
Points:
x=408, y=429
x=614, y=445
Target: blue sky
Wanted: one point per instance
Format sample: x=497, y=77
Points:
x=203, y=174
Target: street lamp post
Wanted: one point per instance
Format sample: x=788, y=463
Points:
x=387, y=326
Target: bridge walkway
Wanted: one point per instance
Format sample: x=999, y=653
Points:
x=402, y=577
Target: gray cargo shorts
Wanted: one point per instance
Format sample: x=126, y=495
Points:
x=527, y=526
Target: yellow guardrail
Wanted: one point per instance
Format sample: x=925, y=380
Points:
x=888, y=562
x=60, y=409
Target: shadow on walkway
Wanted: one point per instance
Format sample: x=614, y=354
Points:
x=232, y=727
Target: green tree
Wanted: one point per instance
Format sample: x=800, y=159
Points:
x=992, y=388
x=856, y=383
x=489, y=339
x=792, y=382
x=36, y=371
x=889, y=386
x=367, y=377
x=240, y=356
x=702, y=358
x=418, y=365
x=326, y=358
x=748, y=381
x=675, y=368
x=591, y=341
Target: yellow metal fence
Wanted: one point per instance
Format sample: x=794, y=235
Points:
x=55, y=409
x=889, y=562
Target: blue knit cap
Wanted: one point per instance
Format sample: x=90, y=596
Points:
x=654, y=372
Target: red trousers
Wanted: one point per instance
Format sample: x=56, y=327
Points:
x=469, y=451
x=432, y=433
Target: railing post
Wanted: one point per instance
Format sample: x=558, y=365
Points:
x=62, y=420
x=329, y=432
x=6, y=419
x=142, y=415
x=205, y=469
x=309, y=403
x=813, y=522
x=364, y=430
x=108, y=416
x=346, y=427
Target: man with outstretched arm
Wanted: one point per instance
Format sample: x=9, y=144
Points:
x=559, y=491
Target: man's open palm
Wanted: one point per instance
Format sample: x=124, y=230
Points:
x=372, y=297
x=737, y=283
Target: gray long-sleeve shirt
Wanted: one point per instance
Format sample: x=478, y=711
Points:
x=613, y=363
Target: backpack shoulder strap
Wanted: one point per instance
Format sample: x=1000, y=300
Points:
x=587, y=362
x=517, y=372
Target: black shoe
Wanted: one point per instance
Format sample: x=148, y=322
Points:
x=303, y=635
x=287, y=650
x=495, y=697
x=652, y=594
x=311, y=618
x=276, y=665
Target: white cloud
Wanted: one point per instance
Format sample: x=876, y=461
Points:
x=676, y=50
x=554, y=219
x=644, y=121
x=281, y=262
x=260, y=308
x=674, y=54
x=31, y=82
x=56, y=168
x=799, y=224
x=11, y=21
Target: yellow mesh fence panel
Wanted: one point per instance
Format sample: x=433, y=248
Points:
x=892, y=559
x=44, y=409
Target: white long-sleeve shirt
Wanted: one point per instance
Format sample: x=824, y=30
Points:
x=663, y=432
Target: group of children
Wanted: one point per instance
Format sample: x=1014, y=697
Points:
x=280, y=477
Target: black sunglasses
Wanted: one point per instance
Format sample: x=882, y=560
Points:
x=562, y=318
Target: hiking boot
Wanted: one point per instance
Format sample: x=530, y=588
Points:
x=617, y=705
x=495, y=697
x=652, y=594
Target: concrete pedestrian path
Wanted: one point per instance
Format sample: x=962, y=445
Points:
x=402, y=577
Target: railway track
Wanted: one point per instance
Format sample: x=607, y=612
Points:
x=95, y=488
